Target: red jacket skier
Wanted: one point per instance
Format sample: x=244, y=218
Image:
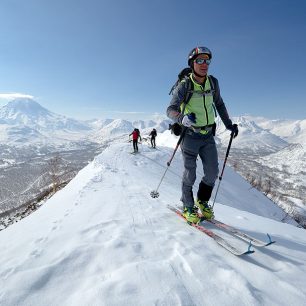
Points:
x=135, y=135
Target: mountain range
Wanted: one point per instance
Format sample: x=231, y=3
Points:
x=23, y=121
x=293, y=131
x=252, y=137
x=27, y=118
x=263, y=147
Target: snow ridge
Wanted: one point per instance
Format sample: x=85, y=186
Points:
x=121, y=247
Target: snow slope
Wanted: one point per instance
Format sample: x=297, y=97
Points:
x=103, y=240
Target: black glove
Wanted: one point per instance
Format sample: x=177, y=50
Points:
x=233, y=128
x=176, y=129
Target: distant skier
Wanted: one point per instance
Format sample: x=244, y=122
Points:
x=135, y=136
x=153, y=135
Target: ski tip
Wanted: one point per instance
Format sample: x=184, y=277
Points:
x=270, y=241
x=248, y=252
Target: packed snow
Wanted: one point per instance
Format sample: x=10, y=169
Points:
x=103, y=240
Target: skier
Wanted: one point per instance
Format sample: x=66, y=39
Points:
x=135, y=136
x=197, y=116
x=153, y=135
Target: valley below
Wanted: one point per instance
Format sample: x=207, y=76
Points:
x=28, y=172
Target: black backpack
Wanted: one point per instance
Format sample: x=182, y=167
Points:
x=185, y=75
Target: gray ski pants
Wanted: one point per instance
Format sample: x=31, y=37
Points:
x=195, y=144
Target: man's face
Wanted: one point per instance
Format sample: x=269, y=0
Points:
x=201, y=64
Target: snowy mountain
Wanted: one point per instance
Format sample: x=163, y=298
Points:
x=27, y=112
x=20, y=134
x=159, y=124
x=103, y=240
x=98, y=123
x=115, y=128
x=287, y=164
x=293, y=131
x=291, y=159
x=24, y=121
x=271, y=154
x=120, y=127
x=252, y=137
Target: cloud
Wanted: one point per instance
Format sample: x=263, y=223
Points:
x=12, y=96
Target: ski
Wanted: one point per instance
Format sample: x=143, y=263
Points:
x=221, y=241
x=234, y=231
x=242, y=235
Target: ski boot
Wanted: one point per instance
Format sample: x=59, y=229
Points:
x=206, y=211
x=191, y=215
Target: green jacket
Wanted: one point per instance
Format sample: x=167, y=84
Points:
x=203, y=103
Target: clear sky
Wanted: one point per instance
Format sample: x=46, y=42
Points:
x=106, y=58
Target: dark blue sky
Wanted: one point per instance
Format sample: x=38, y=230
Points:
x=107, y=58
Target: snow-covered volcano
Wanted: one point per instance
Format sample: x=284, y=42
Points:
x=27, y=112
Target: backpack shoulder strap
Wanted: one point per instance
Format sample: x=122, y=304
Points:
x=181, y=76
x=189, y=91
x=173, y=87
x=212, y=83
x=212, y=87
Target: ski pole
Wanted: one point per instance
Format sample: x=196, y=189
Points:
x=155, y=193
x=225, y=159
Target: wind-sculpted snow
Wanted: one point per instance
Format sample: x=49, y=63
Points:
x=103, y=240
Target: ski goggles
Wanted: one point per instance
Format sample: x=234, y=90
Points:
x=201, y=61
